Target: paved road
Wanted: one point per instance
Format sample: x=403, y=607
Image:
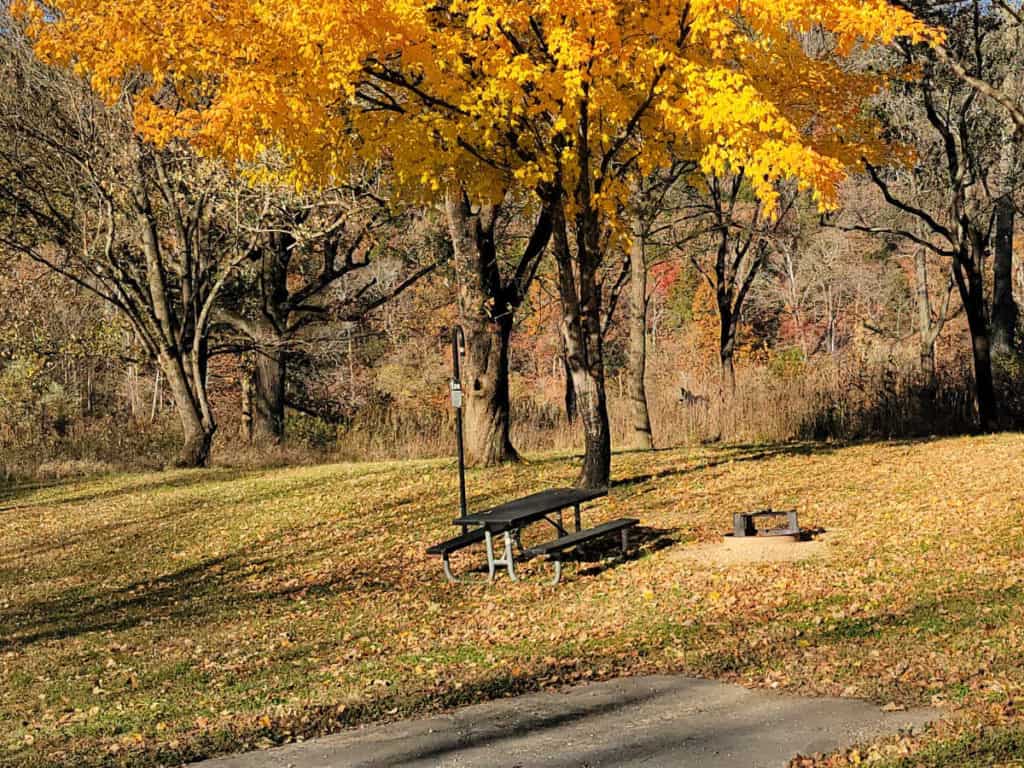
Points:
x=651, y=721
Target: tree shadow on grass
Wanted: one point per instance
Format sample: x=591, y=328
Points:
x=138, y=528
x=731, y=455
x=215, y=588
x=752, y=452
x=78, y=612
x=15, y=498
x=223, y=585
x=983, y=609
x=133, y=528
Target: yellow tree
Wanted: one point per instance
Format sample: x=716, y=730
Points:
x=570, y=100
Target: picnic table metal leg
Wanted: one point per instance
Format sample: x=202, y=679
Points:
x=448, y=571
x=579, y=526
x=625, y=541
x=557, y=560
x=490, y=555
x=517, y=535
x=510, y=557
x=507, y=559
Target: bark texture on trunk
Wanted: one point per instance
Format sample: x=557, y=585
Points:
x=642, y=435
x=196, y=433
x=248, y=388
x=270, y=337
x=1004, y=308
x=593, y=410
x=929, y=327
x=487, y=321
x=727, y=350
x=924, y=319
x=970, y=281
x=985, y=387
x=582, y=333
x=195, y=452
x=571, y=410
x=264, y=383
x=487, y=403
x=269, y=394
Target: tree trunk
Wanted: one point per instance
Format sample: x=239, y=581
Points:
x=926, y=327
x=485, y=382
x=195, y=452
x=586, y=365
x=189, y=395
x=728, y=373
x=1004, y=309
x=268, y=394
x=571, y=410
x=642, y=437
x=973, y=296
x=985, y=389
x=197, y=437
x=248, y=389
x=487, y=322
x=581, y=331
x=927, y=364
x=727, y=352
x=593, y=409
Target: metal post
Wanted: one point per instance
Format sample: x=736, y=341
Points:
x=458, y=344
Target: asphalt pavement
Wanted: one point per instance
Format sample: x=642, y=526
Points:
x=644, y=721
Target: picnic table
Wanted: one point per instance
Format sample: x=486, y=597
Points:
x=507, y=521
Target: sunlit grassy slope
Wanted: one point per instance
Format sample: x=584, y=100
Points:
x=151, y=619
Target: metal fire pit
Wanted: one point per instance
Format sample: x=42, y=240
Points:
x=744, y=526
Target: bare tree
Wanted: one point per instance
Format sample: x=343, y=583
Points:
x=332, y=257
x=1007, y=95
x=819, y=280
x=654, y=208
x=1007, y=183
x=728, y=237
x=639, y=300
x=135, y=225
x=958, y=189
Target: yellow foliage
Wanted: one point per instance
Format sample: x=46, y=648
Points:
x=494, y=94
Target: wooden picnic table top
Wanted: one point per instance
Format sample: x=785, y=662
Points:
x=530, y=508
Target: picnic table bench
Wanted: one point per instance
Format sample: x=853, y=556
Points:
x=554, y=550
x=506, y=521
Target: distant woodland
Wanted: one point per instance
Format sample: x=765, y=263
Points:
x=164, y=301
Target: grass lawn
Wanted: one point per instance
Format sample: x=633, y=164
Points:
x=147, y=620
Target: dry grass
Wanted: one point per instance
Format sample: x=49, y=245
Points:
x=833, y=399
x=151, y=619
x=842, y=398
